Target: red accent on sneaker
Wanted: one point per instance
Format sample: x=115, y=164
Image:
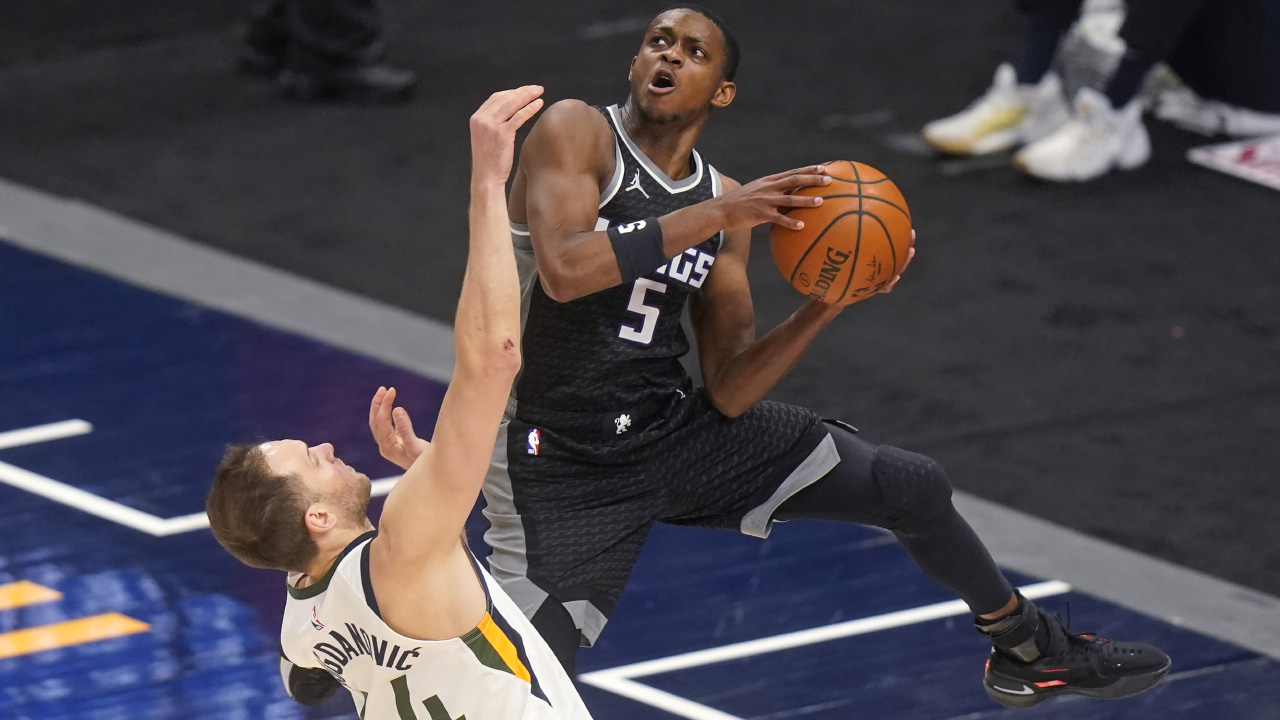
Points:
x=1049, y=683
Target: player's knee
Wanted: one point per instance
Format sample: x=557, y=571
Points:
x=913, y=483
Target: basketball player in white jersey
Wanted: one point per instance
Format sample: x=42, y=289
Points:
x=403, y=616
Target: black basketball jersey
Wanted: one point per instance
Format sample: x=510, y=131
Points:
x=617, y=348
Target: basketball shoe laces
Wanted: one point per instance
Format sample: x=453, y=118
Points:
x=1070, y=646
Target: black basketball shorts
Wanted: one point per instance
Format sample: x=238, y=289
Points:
x=571, y=497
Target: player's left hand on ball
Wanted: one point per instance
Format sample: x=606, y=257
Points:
x=911, y=253
x=393, y=430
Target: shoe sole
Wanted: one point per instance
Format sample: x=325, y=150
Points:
x=1135, y=154
x=986, y=145
x=1138, y=153
x=1125, y=166
x=1121, y=688
x=307, y=90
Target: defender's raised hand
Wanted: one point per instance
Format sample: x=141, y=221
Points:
x=493, y=131
x=766, y=199
x=393, y=430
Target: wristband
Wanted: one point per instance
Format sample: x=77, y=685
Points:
x=638, y=247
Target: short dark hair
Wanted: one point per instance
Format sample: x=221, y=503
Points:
x=731, y=51
x=257, y=516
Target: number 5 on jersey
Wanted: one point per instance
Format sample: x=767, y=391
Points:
x=644, y=334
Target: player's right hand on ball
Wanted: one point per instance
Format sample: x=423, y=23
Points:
x=493, y=131
x=393, y=430
x=911, y=255
x=766, y=199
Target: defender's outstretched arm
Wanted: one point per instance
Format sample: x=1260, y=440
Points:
x=425, y=513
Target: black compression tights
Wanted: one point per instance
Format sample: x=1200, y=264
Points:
x=910, y=496
x=905, y=493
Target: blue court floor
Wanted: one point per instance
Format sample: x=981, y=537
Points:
x=115, y=602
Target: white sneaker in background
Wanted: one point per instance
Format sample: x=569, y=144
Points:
x=1006, y=116
x=1184, y=108
x=1096, y=140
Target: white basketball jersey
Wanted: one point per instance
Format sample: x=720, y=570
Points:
x=500, y=670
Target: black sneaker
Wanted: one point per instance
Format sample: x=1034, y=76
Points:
x=1021, y=674
x=366, y=83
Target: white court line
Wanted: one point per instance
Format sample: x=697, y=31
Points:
x=97, y=505
x=200, y=521
x=116, y=512
x=61, y=492
x=81, y=500
x=619, y=680
x=660, y=699
x=43, y=433
x=786, y=641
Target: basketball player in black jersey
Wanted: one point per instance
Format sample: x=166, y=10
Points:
x=617, y=222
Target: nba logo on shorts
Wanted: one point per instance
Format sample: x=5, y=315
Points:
x=535, y=439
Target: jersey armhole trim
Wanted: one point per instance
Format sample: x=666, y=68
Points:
x=366, y=580
x=615, y=183
x=717, y=189
x=322, y=584
x=475, y=564
x=495, y=643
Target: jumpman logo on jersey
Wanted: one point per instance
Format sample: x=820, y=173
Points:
x=635, y=185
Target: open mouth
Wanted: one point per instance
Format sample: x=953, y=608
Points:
x=663, y=82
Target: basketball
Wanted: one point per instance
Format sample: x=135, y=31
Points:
x=852, y=244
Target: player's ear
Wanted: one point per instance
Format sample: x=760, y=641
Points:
x=319, y=519
x=631, y=67
x=724, y=95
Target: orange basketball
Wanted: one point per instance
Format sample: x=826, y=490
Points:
x=852, y=244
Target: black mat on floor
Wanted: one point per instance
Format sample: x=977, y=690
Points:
x=1104, y=356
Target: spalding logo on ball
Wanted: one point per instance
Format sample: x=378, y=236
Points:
x=852, y=244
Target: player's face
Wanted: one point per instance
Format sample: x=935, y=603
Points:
x=679, y=71
x=324, y=474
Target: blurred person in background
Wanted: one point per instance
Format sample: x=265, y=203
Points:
x=1227, y=52
x=324, y=50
